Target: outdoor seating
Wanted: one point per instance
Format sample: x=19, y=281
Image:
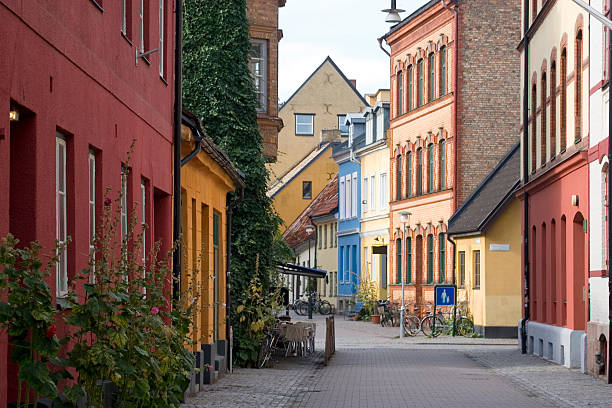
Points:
x=356, y=310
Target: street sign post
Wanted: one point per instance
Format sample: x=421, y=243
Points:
x=445, y=295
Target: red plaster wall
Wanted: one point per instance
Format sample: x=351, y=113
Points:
x=68, y=63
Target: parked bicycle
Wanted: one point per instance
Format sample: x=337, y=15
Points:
x=444, y=323
x=386, y=314
x=412, y=323
x=300, y=306
x=267, y=346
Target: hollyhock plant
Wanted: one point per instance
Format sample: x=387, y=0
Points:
x=154, y=310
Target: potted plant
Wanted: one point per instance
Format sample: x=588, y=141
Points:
x=367, y=294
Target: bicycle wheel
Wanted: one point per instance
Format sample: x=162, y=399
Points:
x=264, y=352
x=297, y=307
x=325, y=307
x=383, y=320
x=427, y=326
x=412, y=325
x=464, y=326
x=303, y=309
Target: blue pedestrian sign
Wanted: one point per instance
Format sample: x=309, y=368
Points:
x=445, y=295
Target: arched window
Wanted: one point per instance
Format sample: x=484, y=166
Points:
x=543, y=120
x=409, y=90
x=400, y=93
x=409, y=174
x=432, y=76
x=408, y=260
x=419, y=174
x=398, y=263
x=442, y=71
x=398, y=178
x=578, y=93
x=534, y=95
x=442, y=260
x=420, y=89
x=553, y=109
x=430, y=258
x=563, y=100
x=430, y=168
x=442, y=169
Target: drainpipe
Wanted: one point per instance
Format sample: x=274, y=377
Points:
x=526, y=310
x=176, y=141
x=228, y=251
x=380, y=40
x=455, y=92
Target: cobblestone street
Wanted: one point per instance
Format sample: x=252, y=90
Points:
x=374, y=368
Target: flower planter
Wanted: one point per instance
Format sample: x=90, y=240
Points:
x=376, y=319
x=355, y=318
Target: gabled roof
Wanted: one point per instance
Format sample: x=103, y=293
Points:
x=298, y=169
x=490, y=197
x=315, y=71
x=324, y=203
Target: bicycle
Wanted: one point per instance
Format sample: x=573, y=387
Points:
x=412, y=323
x=267, y=346
x=463, y=324
x=318, y=305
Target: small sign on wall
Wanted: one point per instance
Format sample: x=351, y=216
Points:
x=499, y=247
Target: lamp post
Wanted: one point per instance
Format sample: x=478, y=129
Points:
x=309, y=230
x=405, y=219
x=393, y=13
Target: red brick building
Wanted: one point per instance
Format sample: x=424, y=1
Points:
x=71, y=72
x=263, y=61
x=454, y=107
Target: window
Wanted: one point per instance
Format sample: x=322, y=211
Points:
x=372, y=203
x=442, y=260
x=409, y=174
x=430, y=170
x=162, y=35
x=365, y=194
x=304, y=124
x=336, y=235
x=430, y=258
x=347, y=197
x=563, y=100
x=408, y=260
x=258, y=65
x=476, y=256
x=144, y=26
x=384, y=199
x=124, y=211
x=432, y=76
x=61, y=214
x=553, y=109
x=442, y=170
x=410, y=84
x=143, y=224
x=400, y=93
x=344, y=129
x=578, y=92
x=341, y=199
x=398, y=263
x=126, y=18
x=419, y=171
x=543, y=120
x=370, y=137
x=443, y=71
x=307, y=190
x=534, y=95
x=420, y=84
x=92, y=210
x=355, y=195
x=462, y=269
x=325, y=236
x=398, y=178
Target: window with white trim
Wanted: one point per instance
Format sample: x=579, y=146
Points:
x=347, y=195
x=304, y=124
x=365, y=194
x=341, y=198
x=372, y=192
x=258, y=65
x=355, y=195
x=162, y=32
x=92, y=212
x=344, y=129
x=61, y=215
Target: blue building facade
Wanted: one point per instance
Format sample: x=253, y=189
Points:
x=349, y=208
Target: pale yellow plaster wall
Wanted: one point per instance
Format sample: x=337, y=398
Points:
x=467, y=293
x=327, y=259
x=326, y=95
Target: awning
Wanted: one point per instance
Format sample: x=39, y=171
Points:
x=291, y=269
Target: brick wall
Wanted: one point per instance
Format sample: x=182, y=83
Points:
x=489, y=88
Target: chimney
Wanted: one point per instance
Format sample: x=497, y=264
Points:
x=353, y=82
x=330, y=135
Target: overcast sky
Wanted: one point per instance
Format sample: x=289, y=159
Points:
x=346, y=30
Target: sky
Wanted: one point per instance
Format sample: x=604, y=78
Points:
x=345, y=30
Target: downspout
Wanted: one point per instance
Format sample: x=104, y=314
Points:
x=380, y=40
x=176, y=141
x=228, y=252
x=526, y=310
x=455, y=93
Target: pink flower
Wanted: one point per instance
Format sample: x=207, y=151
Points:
x=154, y=310
x=51, y=331
x=210, y=368
x=107, y=201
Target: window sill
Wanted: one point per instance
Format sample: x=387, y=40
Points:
x=126, y=38
x=62, y=303
x=476, y=288
x=304, y=134
x=98, y=6
x=161, y=78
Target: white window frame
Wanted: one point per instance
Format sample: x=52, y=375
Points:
x=161, y=37
x=91, y=161
x=303, y=132
x=355, y=194
x=370, y=136
x=372, y=192
x=341, y=198
x=365, y=194
x=61, y=215
x=341, y=125
x=260, y=77
x=141, y=18
x=384, y=191
x=347, y=196
x=123, y=18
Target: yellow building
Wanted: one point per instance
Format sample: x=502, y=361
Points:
x=296, y=190
x=319, y=103
x=486, y=230
x=374, y=159
x=206, y=179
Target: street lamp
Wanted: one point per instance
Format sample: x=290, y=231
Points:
x=309, y=230
x=404, y=219
x=393, y=16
